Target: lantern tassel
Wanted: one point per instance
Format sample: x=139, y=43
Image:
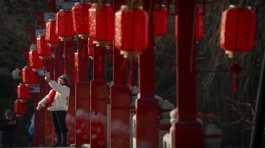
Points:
x=235, y=70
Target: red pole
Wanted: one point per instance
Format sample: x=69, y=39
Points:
x=120, y=100
x=39, y=129
x=81, y=62
x=82, y=93
x=68, y=64
x=99, y=98
x=68, y=54
x=48, y=132
x=147, y=109
x=120, y=103
x=187, y=131
x=58, y=60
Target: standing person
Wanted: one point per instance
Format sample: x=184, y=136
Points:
x=57, y=103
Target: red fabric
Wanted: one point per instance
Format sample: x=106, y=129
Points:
x=51, y=96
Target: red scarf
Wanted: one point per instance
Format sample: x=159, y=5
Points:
x=51, y=96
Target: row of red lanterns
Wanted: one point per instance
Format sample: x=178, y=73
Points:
x=29, y=78
x=97, y=22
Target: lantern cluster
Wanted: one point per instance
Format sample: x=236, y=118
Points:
x=131, y=30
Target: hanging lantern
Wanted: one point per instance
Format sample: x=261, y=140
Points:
x=77, y=66
x=52, y=5
x=34, y=60
x=42, y=48
x=90, y=50
x=101, y=22
x=235, y=70
x=80, y=18
x=238, y=28
x=199, y=23
x=29, y=76
x=40, y=19
x=131, y=30
x=50, y=34
x=23, y=92
x=160, y=20
x=20, y=107
x=64, y=24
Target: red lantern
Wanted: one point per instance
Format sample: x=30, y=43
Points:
x=52, y=5
x=64, y=23
x=238, y=28
x=23, y=92
x=90, y=50
x=40, y=18
x=160, y=20
x=34, y=60
x=199, y=23
x=101, y=22
x=29, y=76
x=42, y=48
x=20, y=108
x=80, y=18
x=50, y=34
x=131, y=30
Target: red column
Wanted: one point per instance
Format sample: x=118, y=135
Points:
x=82, y=93
x=187, y=131
x=58, y=60
x=120, y=99
x=81, y=61
x=120, y=103
x=99, y=98
x=147, y=109
x=68, y=55
x=49, y=133
x=82, y=126
x=39, y=129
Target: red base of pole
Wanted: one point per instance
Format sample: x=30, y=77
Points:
x=38, y=138
x=70, y=121
x=99, y=100
x=120, y=114
x=147, y=123
x=188, y=134
x=82, y=94
x=49, y=129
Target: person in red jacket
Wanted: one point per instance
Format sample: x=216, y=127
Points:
x=57, y=101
